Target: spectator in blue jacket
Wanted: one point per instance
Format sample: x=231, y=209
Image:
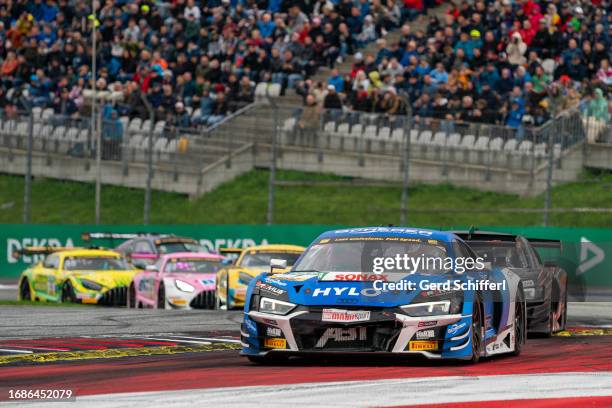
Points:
x=336, y=80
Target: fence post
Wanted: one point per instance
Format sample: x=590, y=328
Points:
x=147, y=200
x=28, y=176
x=272, y=178
x=406, y=170
x=549, y=170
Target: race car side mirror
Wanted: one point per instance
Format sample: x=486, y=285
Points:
x=277, y=264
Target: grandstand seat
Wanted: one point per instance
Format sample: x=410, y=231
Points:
x=36, y=112
x=439, y=139
x=46, y=114
x=384, y=132
x=260, y=89
x=274, y=90
x=539, y=150
x=476, y=151
x=135, y=125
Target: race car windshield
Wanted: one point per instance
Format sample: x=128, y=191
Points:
x=262, y=259
x=500, y=254
x=96, y=264
x=193, y=266
x=173, y=247
x=355, y=255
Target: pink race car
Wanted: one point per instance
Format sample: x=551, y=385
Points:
x=182, y=280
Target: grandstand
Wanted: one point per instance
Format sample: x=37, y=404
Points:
x=471, y=88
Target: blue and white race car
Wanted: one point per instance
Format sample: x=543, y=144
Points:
x=385, y=290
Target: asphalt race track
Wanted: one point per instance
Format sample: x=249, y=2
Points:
x=128, y=358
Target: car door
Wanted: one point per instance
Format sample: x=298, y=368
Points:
x=45, y=276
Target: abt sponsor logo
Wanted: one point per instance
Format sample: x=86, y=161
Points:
x=342, y=335
x=352, y=277
x=345, y=291
x=345, y=316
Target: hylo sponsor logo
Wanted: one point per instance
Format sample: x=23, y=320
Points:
x=428, y=324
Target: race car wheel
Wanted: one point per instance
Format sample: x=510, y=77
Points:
x=24, y=290
x=563, y=317
x=68, y=295
x=519, y=323
x=267, y=360
x=131, y=297
x=476, y=331
x=161, y=297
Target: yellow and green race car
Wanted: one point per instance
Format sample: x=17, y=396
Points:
x=232, y=281
x=77, y=275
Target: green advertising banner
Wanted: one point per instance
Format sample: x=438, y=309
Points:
x=587, y=253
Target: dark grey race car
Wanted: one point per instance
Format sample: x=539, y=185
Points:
x=545, y=283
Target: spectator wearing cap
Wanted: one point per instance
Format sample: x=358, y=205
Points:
x=180, y=116
x=332, y=100
x=516, y=50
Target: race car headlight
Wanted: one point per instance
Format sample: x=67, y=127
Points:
x=91, y=285
x=427, y=309
x=244, y=278
x=274, y=306
x=183, y=286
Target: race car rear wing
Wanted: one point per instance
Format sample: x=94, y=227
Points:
x=484, y=236
x=546, y=243
x=40, y=250
x=231, y=254
x=88, y=236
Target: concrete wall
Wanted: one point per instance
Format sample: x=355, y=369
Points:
x=599, y=156
x=492, y=175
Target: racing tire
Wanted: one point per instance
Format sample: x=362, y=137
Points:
x=563, y=317
x=161, y=297
x=476, y=331
x=131, y=297
x=24, y=290
x=520, y=322
x=68, y=294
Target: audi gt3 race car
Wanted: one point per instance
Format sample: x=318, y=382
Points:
x=182, y=280
x=545, y=284
x=77, y=276
x=232, y=281
x=145, y=249
x=333, y=302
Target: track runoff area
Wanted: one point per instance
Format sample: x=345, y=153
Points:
x=137, y=363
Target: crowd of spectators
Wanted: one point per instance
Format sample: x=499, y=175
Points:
x=510, y=62
x=184, y=55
